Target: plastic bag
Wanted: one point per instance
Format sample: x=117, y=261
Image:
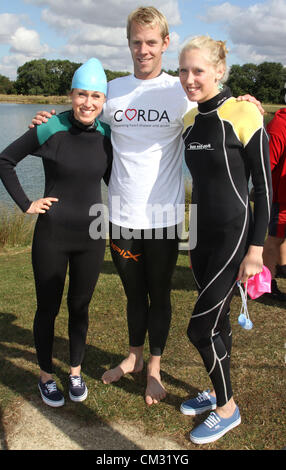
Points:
x=259, y=284
x=255, y=287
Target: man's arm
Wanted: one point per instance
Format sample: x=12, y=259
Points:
x=43, y=116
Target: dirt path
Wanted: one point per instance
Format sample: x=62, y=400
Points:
x=32, y=426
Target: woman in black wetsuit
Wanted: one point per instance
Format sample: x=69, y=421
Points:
x=225, y=143
x=77, y=154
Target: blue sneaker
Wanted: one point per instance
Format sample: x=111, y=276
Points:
x=203, y=402
x=214, y=427
x=50, y=393
x=78, y=389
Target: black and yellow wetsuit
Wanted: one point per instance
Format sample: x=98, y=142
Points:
x=225, y=144
x=75, y=159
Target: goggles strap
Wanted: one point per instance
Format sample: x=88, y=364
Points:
x=243, y=294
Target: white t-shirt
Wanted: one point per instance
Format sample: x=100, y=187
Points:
x=146, y=187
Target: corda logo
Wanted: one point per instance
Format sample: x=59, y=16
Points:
x=150, y=115
x=130, y=114
x=198, y=146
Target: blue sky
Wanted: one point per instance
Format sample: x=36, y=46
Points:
x=255, y=31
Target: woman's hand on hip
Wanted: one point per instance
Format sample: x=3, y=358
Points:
x=40, y=206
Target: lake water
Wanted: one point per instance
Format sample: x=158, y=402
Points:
x=14, y=121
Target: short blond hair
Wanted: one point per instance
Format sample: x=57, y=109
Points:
x=216, y=51
x=148, y=16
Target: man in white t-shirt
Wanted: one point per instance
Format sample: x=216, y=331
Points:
x=146, y=191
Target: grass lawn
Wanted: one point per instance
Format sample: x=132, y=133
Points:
x=29, y=99
x=258, y=360
x=270, y=110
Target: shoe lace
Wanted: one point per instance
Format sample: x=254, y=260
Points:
x=212, y=420
x=51, y=387
x=76, y=381
x=202, y=396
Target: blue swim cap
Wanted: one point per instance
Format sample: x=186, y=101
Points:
x=90, y=76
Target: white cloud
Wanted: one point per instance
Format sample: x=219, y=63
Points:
x=9, y=23
x=61, y=24
x=95, y=34
x=224, y=12
x=258, y=33
x=111, y=13
x=27, y=41
x=24, y=44
x=174, y=42
x=90, y=28
x=109, y=56
x=249, y=55
x=10, y=64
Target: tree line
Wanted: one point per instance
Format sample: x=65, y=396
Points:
x=45, y=77
x=266, y=81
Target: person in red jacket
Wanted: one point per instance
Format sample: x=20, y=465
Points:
x=281, y=266
x=277, y=226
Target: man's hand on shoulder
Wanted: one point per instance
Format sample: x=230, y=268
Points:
x=253, y=100
x=41, y=116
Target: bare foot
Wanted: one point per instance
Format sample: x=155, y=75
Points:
x=155, y=390
x=132, y=364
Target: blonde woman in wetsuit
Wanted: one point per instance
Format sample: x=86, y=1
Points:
x=225, y=144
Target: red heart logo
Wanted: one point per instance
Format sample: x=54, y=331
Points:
x=130, y=114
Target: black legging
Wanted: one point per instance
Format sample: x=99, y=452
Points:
x=215, y=264
x=145, y=265
x=51, y=257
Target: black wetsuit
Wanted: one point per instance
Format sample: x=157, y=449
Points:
x=145, y=264
x=75, y=159
x=225, y=143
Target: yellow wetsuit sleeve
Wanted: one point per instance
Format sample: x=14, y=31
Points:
x=244, y=118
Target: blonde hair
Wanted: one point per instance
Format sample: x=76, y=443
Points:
x=216, y=51
x=148, y=16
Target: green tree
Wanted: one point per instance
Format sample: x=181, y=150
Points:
x=31, y=78
x=45, y=77
x=61, y=73
x=174, y=73
x=242, y=79
x=265, y=81
x=50, y=77
x=111, y=75
x=270, y=83
x=6, y=85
